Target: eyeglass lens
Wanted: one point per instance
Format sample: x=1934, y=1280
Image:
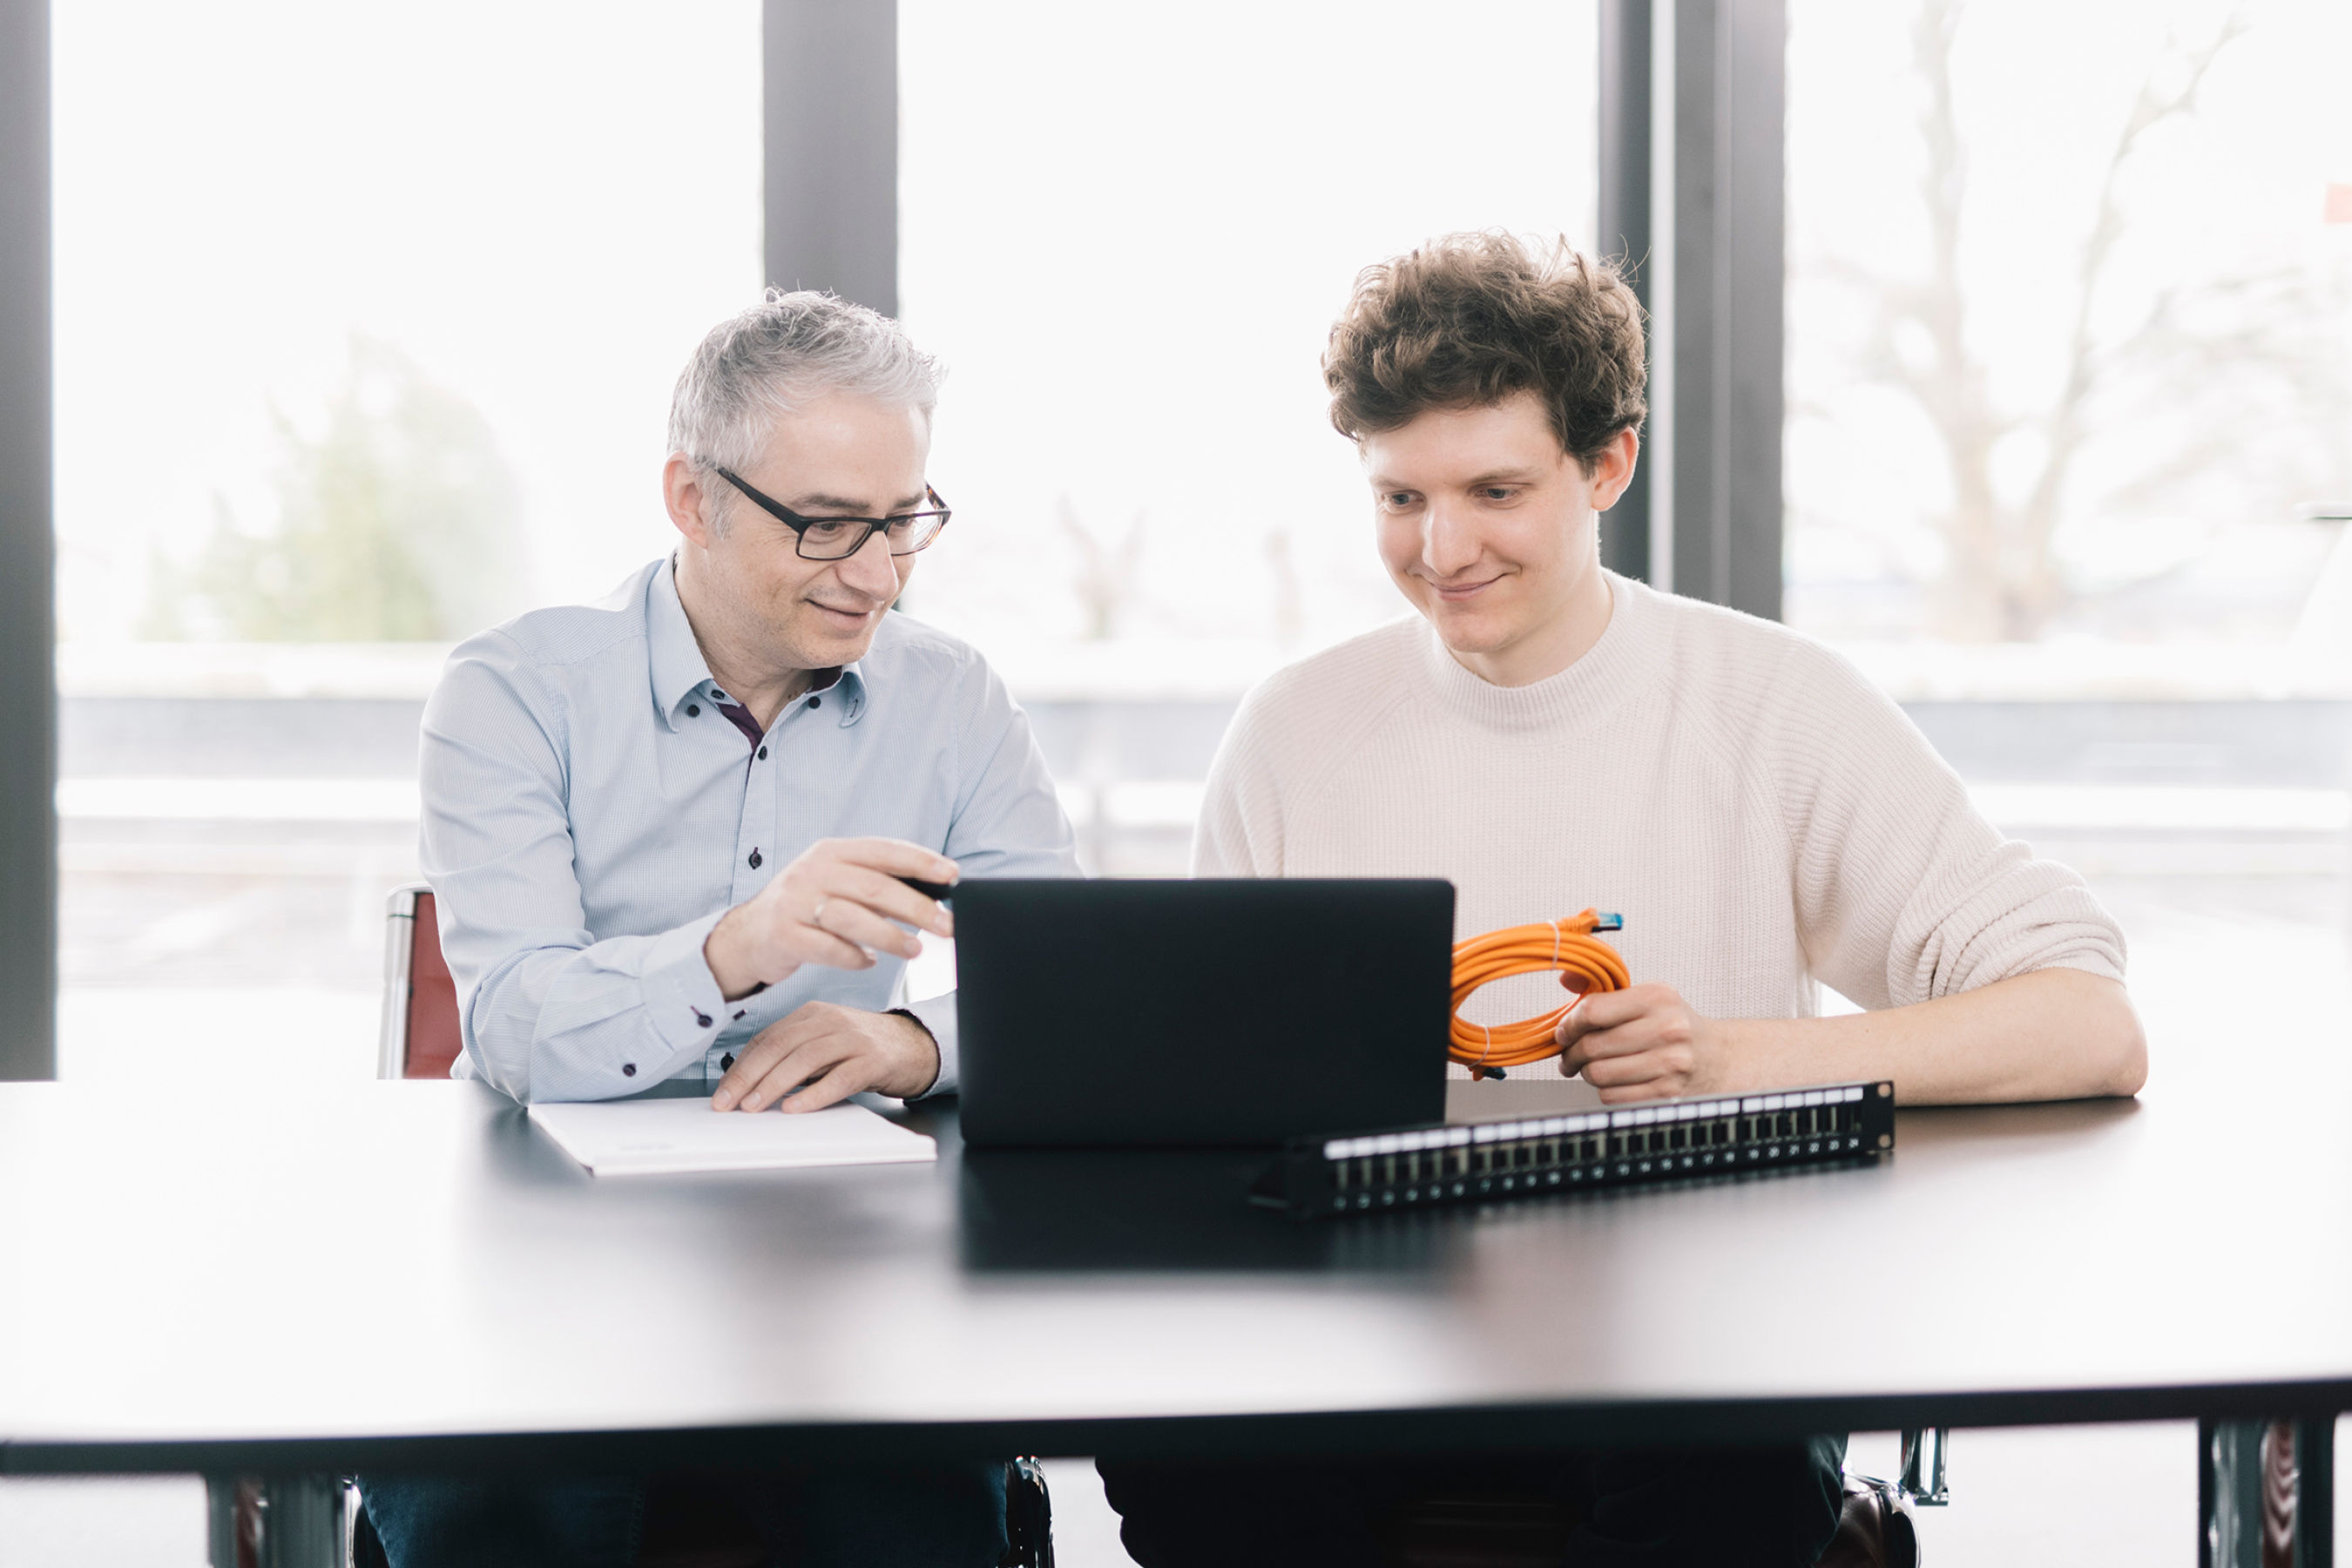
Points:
x=824, y=540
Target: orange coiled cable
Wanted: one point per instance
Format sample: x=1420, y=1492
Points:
x=1567, y=946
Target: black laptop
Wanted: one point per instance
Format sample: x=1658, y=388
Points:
x=1199, y=1012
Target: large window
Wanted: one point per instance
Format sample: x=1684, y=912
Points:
x=2071, y=334
x=1127, y=230
x=2070, y=434
x=2069, y=471
x=367, y=317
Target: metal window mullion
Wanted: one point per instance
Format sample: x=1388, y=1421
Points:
x=1754, y=42
x=830, y=147
x=1719, y=221
x=28, y=704
x=1626, y=32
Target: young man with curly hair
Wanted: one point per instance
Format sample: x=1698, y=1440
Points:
x=1550, y=735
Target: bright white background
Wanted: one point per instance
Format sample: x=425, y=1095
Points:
x=1128, y=228
x=544, y=206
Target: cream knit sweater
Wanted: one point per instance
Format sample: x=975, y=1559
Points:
x=1761, y=815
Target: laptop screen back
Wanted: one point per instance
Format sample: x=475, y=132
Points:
x=1199, y=1012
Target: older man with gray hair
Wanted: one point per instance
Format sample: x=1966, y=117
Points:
x=669, y=835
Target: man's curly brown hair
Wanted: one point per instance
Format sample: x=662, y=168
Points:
x=1469, y=319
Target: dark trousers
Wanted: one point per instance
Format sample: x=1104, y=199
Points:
x=817, y=1516
x=1748, y=1508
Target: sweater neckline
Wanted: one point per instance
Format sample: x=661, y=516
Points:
x=1578, y=696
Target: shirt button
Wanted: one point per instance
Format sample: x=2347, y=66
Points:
x=817, y=701
x=719, y=695
x=701, y=1019
x=628, y=1070
x=755, y=859
x=763, y=753
x=741, y=1011
x=694, y=711
x=729, y=1059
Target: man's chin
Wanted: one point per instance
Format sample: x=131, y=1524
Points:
x=1469, y=632
x=823, y=641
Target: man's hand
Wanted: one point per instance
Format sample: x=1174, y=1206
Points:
x=821, y=1053
x=1643, y=1043
x=831, y=906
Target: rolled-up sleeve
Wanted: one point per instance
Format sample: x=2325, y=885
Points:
x=547, y=1011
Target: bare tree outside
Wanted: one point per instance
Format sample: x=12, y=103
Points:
x=1109, y=578
x=2224, y=397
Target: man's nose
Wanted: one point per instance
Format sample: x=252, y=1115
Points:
x=1448, y=543
x=869, y=569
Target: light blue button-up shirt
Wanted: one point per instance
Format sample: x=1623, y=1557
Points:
x=590, y=814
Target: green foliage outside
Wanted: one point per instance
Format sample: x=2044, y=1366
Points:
x=396, y=522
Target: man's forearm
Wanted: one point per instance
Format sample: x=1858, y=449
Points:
x=590, y=1023
x=2055, y=1034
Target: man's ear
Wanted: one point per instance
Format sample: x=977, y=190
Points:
x=1615, y=471
x=689, y=503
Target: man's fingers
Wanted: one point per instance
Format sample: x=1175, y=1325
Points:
x=1602, y=1010
x=894, y=857
x=749, y=1069
x=1617, y=1072
x=1652, y=1088
x=1629, y=1041
x=811, y=1061
x=1596, y=1038
x=822, y=1054
x=1611, y=1009
x=847, y=920
x=780, y=1039
x=1624, y=1040
x=813, y=944
x=834, y=1085
x=888, y=896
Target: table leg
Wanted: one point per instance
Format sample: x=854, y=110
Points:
x=1927, y=1451
x=2267, y=1493
x=277, y=1521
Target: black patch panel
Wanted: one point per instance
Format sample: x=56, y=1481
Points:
x=1630, y=1145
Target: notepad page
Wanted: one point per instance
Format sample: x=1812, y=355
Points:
x=651, y=1137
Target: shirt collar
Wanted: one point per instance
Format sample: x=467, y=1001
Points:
x=673, y=655
x=679, y=671
x=848, y=688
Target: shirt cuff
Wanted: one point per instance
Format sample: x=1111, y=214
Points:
x=938, y=1014
x=682, y=996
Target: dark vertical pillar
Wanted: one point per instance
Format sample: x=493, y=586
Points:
x=1723, y=296
x=28, y=703
x=1625, y=234
x=831, y=136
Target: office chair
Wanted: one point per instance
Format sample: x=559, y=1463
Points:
x=1874, y=1531
x=311, y=1522
x=419, y=1035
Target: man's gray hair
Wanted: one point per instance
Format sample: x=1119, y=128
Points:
x=760, y=364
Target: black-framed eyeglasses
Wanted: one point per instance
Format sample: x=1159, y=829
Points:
x=839, y=538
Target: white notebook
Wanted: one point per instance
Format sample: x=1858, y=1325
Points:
x=649, y=1137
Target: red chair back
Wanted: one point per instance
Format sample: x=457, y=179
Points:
x=433, y=1039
